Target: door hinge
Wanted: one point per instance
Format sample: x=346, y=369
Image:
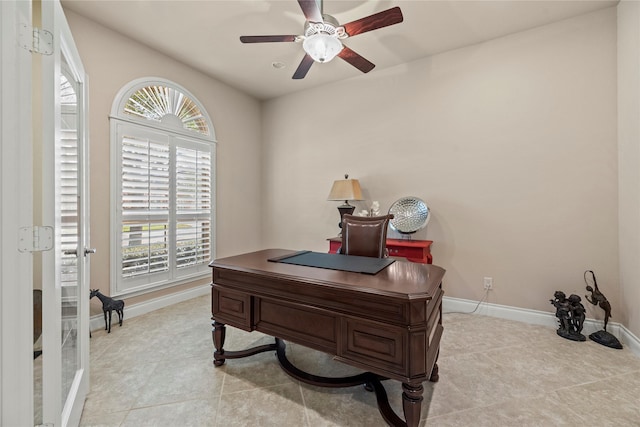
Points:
x=36, y=40
x=35, y=239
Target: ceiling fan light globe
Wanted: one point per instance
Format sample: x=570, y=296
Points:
x=322, y=47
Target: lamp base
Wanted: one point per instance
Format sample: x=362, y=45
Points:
x=344, y=209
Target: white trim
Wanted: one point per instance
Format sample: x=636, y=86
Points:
x=159, y=126
x=72, y=408
x=629, y=339
x=16, y=210
x=157, y=286
x=151, y=282
x=97, y=321
x=536, y=317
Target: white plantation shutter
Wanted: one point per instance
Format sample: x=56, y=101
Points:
x=193, y=207
x=145, y=206
x=155, y=102
x=68, y=152
x=69, y=209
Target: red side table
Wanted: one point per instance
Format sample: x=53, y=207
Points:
x=412, y=250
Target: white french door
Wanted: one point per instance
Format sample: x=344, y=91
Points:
x=65, y=268
x=44, y=218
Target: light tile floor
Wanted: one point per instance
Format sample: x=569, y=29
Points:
x=157, y=370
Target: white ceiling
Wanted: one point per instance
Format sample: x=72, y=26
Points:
x=204, y=34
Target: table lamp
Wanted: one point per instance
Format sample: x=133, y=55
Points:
x=345, y=189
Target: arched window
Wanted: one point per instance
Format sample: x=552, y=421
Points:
x=163, y=182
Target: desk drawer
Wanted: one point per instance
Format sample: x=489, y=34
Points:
x=302, y=324
x=233, y=308
x=379, y=345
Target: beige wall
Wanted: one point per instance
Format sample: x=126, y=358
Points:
x=511, y=142
x=629, y=158
x=111, y=61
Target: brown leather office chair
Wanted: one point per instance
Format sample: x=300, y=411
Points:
x=365, y=235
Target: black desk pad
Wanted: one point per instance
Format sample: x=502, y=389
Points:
x=356, y=264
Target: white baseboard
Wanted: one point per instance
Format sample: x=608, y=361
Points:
x=536, y=317
x=630, y=340
x=449, y=304
x=97, y=321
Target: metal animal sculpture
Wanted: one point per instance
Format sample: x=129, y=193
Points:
x=108, y=305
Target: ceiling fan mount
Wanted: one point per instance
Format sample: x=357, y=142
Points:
x=329, y=25
x=323, y=35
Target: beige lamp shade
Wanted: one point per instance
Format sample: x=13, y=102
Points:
x=345, y=189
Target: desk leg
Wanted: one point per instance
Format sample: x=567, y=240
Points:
x=412, y=403
x=434, y=374
x=219, y=333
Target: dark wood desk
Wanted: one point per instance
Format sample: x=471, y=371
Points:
x=388, y=324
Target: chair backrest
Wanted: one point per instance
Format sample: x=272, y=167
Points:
x=365, y=235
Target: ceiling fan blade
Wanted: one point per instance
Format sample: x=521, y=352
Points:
x=311, y=10
x=267, y=39
x=303, y=68
x=373, y=22
x=356, y=60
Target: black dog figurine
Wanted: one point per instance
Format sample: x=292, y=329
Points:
x=108, y=305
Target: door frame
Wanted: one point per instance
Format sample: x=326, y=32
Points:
x=16, y=211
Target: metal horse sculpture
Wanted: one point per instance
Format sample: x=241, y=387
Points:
x=108, y=305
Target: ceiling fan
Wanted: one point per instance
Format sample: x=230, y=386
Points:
x=322, y=39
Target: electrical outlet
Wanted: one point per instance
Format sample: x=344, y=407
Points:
x=488, y=283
